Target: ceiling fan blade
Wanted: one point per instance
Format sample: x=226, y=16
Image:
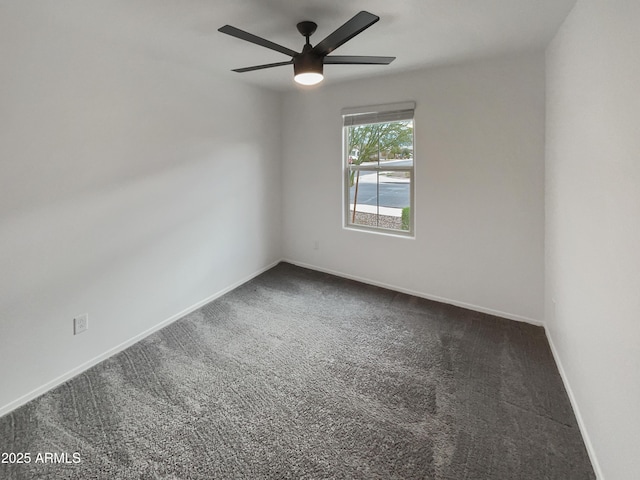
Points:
x=346, y=32
x=357, y=60
x=260, y=67
x=249, y=37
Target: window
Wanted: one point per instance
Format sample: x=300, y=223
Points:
x=379, y=168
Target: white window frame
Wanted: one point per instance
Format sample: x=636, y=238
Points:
x=369, y=115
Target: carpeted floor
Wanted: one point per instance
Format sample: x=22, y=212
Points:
x=299, y=374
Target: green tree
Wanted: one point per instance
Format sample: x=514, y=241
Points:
x=375, y=141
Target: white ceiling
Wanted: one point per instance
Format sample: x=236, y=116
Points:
x=419, y=33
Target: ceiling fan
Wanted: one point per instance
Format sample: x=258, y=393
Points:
x=308, y=64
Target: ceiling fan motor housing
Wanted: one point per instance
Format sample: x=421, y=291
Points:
x=307, y=61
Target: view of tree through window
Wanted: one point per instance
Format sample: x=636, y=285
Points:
x=379, y=175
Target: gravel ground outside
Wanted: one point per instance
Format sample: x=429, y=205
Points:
x=373, y=220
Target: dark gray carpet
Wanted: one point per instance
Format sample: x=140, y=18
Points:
x=299, y=374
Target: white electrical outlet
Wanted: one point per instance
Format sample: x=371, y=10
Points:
x=316, y=245
x=80, y=323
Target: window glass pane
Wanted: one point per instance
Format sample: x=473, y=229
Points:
x=394, y=189
x=363, y=194
x=368, y=144
x=380, y=199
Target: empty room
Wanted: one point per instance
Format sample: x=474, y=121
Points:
x=314, y=239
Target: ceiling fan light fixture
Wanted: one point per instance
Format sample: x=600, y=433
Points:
x=307, y=69
x=308, y=78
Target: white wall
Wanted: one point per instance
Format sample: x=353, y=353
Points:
x=593, y=223
x=479, y=141
x=131, y=188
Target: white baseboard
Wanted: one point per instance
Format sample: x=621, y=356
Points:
x=476, y=308
x=576, y=410
x=109, y=353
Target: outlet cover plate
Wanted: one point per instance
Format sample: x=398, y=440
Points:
x=81, y=323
